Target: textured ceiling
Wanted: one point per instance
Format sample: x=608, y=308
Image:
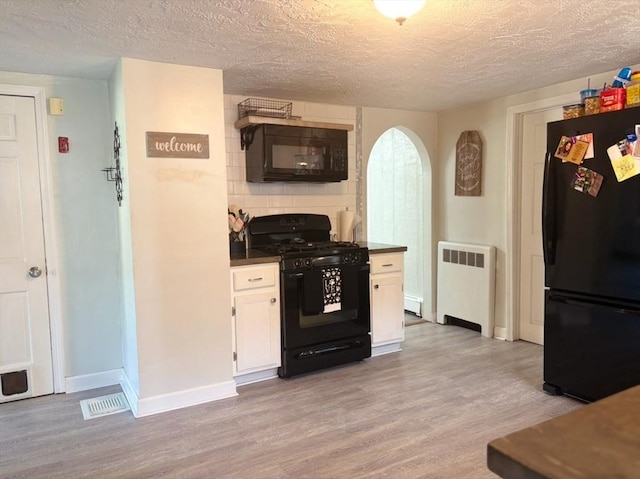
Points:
x=452, y=53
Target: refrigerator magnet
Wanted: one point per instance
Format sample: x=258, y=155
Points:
x=624, y=165
x=586, y=181
x=571, y=150
x=635, y=142
x=588, y=137
x=564, y=148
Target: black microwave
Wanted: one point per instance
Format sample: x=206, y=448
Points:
x=297, y=153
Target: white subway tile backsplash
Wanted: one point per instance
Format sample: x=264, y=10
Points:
x=235, y=200
x=338, y=111
x=237, y=158
x=251, y=202
x=280, y=201
x=317, y=110
x=230, y=114
x=277, y=198
x=235, y=173
x=271, y=188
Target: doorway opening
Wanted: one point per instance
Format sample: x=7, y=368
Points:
x=396, y=206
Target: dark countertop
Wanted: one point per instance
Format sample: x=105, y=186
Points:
x=379, y=248
x=257, y=257
x=252, y=256
x=599, y=440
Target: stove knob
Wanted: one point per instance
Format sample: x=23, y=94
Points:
x=297, y=263
x=346, y=258
x=308, y=262
x=357, y=257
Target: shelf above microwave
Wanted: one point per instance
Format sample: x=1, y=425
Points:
x=247, y=125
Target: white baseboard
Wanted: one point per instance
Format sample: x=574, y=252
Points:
x=256, y=377
x=385, y=349
x=500, y=333
x=186, y=398
x=85, y=382
x=152, y=405
x=413, y=305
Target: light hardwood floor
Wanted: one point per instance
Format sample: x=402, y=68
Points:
x=425, y=412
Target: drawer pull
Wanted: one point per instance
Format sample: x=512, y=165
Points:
x=387, y=265
x=253, y=280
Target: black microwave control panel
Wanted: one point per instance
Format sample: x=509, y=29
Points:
x=339, y=159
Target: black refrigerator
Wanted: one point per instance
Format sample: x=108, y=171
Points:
x=591, y=248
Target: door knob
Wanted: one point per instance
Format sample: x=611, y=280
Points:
x=35, y=272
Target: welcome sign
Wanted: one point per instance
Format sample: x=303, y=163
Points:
x=177, y=145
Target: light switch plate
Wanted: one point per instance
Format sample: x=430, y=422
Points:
x=56, y=106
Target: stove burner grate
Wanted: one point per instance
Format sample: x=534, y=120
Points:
x=311, y=247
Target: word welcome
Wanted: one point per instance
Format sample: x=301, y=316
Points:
x=177, y=145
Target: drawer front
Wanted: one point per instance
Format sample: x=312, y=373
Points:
x=386, y=263
x=254, y=278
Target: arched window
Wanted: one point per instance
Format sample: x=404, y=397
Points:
x=395, y=205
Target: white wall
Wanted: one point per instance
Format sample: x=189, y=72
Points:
x=260, y=199
x=483, y=219
x=85, y=220
x=179, y=234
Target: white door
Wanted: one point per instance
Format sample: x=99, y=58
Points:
x=25, y=342
x=534, y=146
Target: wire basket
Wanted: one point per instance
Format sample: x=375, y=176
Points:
x=268, y=108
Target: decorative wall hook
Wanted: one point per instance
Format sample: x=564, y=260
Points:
x=114, y=173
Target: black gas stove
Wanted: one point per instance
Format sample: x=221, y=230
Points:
x=302, y=240
x=324, y=291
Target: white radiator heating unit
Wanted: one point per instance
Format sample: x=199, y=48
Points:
x=466, y=284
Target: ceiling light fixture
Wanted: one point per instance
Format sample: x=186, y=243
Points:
x=399, y=10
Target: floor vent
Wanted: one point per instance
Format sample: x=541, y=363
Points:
x=104, y=405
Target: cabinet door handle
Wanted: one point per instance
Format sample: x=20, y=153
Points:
x=273, y=300
x=253, y=280
x=376, y=286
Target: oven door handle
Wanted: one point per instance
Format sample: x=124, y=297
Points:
x=295, y=275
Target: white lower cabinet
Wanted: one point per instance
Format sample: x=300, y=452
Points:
x=387, y=302
x=255, y=294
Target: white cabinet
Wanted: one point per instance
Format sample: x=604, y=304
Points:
x=387, y=302
x=255, y=294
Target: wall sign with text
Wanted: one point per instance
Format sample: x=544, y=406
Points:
x=177, y=145
x=469, y=164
